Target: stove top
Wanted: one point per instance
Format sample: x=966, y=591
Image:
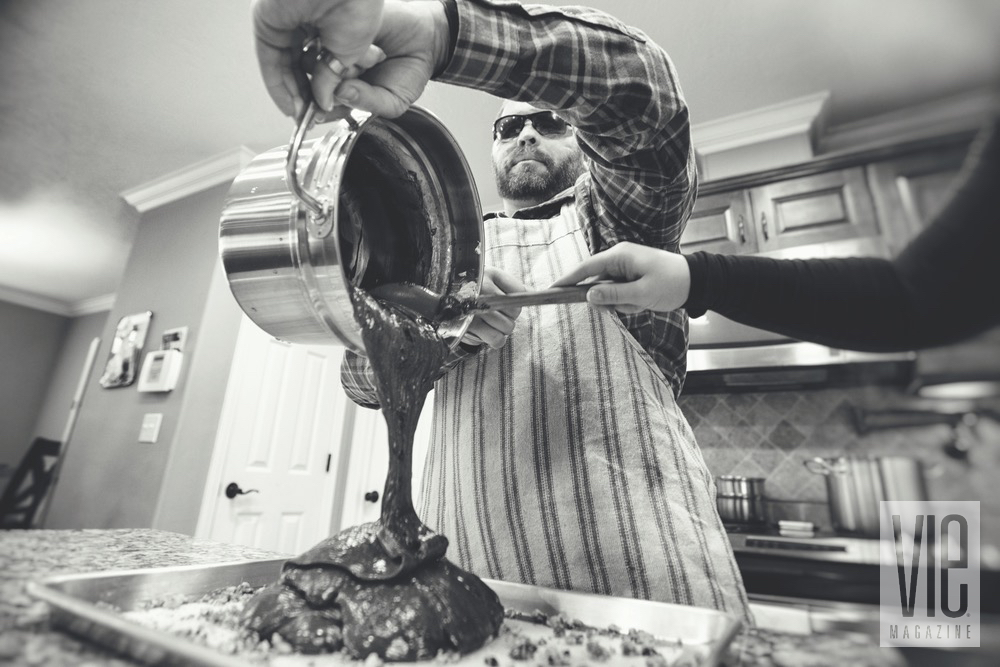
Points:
x=818, y=546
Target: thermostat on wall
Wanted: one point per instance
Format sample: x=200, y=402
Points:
x=160, y=370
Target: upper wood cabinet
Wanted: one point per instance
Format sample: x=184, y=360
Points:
x=819, y=208
x=911, y=189
x=721, y=223
x=870, y=202
x=832, y=206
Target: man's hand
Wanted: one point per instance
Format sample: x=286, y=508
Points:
x=647, y=278
x=346, y=28
x=388, y=51
x=492, y=327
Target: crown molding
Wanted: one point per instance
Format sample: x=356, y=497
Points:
x=96, y=304
x=966, y=111
x=194, y=178
x=47, y=304
x=34, y=301
x=799, y=116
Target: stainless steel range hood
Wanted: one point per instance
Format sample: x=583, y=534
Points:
x=726, y=356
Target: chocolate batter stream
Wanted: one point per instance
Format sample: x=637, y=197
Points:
x=384, y=587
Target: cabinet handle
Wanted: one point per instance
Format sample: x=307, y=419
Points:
x=742, y=229
x=763, y=225
x=372, y=496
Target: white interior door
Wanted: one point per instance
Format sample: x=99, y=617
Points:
x=279, y=440
x=369, y=463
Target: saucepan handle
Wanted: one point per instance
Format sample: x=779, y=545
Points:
x=315, y=206
x=319, y=209
x=820, y=466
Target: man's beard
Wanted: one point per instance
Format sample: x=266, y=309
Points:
x=530, y=185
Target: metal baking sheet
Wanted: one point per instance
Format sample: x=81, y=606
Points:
x=88, y=605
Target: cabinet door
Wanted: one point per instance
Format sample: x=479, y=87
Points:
x=910, y=190
x=720, y=223
x=831, y=206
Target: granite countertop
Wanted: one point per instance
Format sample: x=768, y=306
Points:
x=27, y=638
x=25, y=635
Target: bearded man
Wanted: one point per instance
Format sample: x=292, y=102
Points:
x=559, y=456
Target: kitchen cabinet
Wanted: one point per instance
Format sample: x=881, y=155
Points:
x=721, y=223
x=867, y=202
x=831, y=206
x=818, y=208
x=910, y=189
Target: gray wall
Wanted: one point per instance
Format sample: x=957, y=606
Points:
x=54, y=412
x=30, y=343
x=187, y=467
x=109, y=479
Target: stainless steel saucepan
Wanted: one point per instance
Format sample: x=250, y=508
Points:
x=740, y=499
x=855, y=486
x=372, y=202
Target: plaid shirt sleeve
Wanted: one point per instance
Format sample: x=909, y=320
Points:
x=358, y=379
x=620, y=91
x=614, y=85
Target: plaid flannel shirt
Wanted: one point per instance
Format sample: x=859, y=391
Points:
x=620, y=91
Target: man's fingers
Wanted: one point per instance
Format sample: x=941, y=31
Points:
x=498, y=281
x=506, y=282
x=330, y=71
x=485, y=336
x=279, y=77
x=498, y=321
x=472, y=339
x=389, y=88
x=346, y=28
x=375, y=99
x=373, y=56
x=490, y=328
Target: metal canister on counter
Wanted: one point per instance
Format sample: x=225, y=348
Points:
x=740, y=500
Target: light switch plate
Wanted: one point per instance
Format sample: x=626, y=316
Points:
x=150, y=430
x=174, y=339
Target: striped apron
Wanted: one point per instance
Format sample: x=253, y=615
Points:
x=563, y=460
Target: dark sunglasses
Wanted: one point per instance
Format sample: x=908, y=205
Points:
x=545, y=123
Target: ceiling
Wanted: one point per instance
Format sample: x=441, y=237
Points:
x=103, y=96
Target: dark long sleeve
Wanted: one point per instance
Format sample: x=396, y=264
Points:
x=943, y=287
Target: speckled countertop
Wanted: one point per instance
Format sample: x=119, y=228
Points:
x=25, y=555
x=26, y=637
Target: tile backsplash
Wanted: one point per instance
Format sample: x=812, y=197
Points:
x=771, y=434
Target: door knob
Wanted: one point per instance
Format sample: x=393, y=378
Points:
x=233, y=489
x=372, y=496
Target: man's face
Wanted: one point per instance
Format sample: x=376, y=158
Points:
x=531, y=166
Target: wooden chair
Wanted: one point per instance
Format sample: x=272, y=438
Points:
x=29, y=484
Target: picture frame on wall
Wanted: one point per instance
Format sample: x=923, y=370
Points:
x=122, y=366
